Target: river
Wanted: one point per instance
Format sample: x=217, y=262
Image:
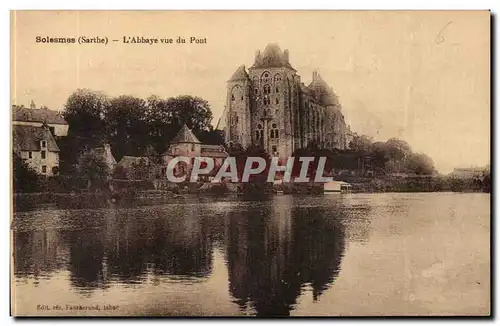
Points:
x=331, y=255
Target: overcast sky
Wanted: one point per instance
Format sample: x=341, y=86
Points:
x=420, y=76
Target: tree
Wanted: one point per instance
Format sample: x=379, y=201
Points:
x=420, y=164
x=398, y=149
x=126, y=126
x=361, y=143
x=25, y=179
x=193, y=111
x=158, y=119
x=92, y=168
x=84, y=111
x=211, y=137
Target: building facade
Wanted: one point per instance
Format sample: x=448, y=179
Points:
x=186, y=144
x=32, y=116
x=37, y=146
x=269, y=106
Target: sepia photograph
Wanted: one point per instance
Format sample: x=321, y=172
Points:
x=250, y=163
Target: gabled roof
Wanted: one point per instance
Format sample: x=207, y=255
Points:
x=20, y=113
x=27, y=138
x=185, y=135
x=239, y=74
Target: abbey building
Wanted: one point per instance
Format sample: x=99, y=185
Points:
x=268, y=105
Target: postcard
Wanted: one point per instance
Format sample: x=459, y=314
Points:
x=250, y=163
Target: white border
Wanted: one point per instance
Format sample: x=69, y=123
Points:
x=156, y=5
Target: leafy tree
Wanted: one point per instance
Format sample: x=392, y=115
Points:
x=420, y=164
x=127, y=129
x=84, y=111
x=361, y=143
x=398, y=149
x=158, y=118
x=25, y=179
x=211, y=136
x=193, y=111
x=142, y=170
x=93, y=168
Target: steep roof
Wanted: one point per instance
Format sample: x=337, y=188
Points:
x=21, y=113
x=27, y=138
x=272, y=57
x=185, y=135
x=239, y=74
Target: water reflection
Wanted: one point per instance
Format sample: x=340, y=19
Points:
x=274, y=249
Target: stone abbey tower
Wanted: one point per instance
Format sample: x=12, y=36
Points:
x=270, y=107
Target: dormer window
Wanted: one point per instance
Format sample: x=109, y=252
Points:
x=43, y=144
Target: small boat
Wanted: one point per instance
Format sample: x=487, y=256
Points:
x=336, y=187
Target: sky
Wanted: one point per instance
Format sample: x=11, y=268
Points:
x=420, y=76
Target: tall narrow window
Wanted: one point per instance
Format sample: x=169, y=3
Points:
x=30, y=154
x=277, y=101
x=44, y=154
x=257, y=134
x=44, y=168
x=267, y=89
x=43, y=144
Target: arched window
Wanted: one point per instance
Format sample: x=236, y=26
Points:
x=265, y=77
x=232, y=97
x=256, y=91
x=277, y=89
x=267, y=89
x=257, y=134
x=267, y=101
x=272, y=133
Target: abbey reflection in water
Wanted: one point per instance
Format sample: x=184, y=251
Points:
x=273, y=249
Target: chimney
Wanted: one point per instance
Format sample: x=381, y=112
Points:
x=315, y=75
x=32, y=105
x=286, y=55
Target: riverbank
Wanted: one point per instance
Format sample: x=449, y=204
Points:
x=150, y=191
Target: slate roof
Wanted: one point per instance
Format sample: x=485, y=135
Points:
x=27, y=138
x=21, y=113
x=185, y=135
